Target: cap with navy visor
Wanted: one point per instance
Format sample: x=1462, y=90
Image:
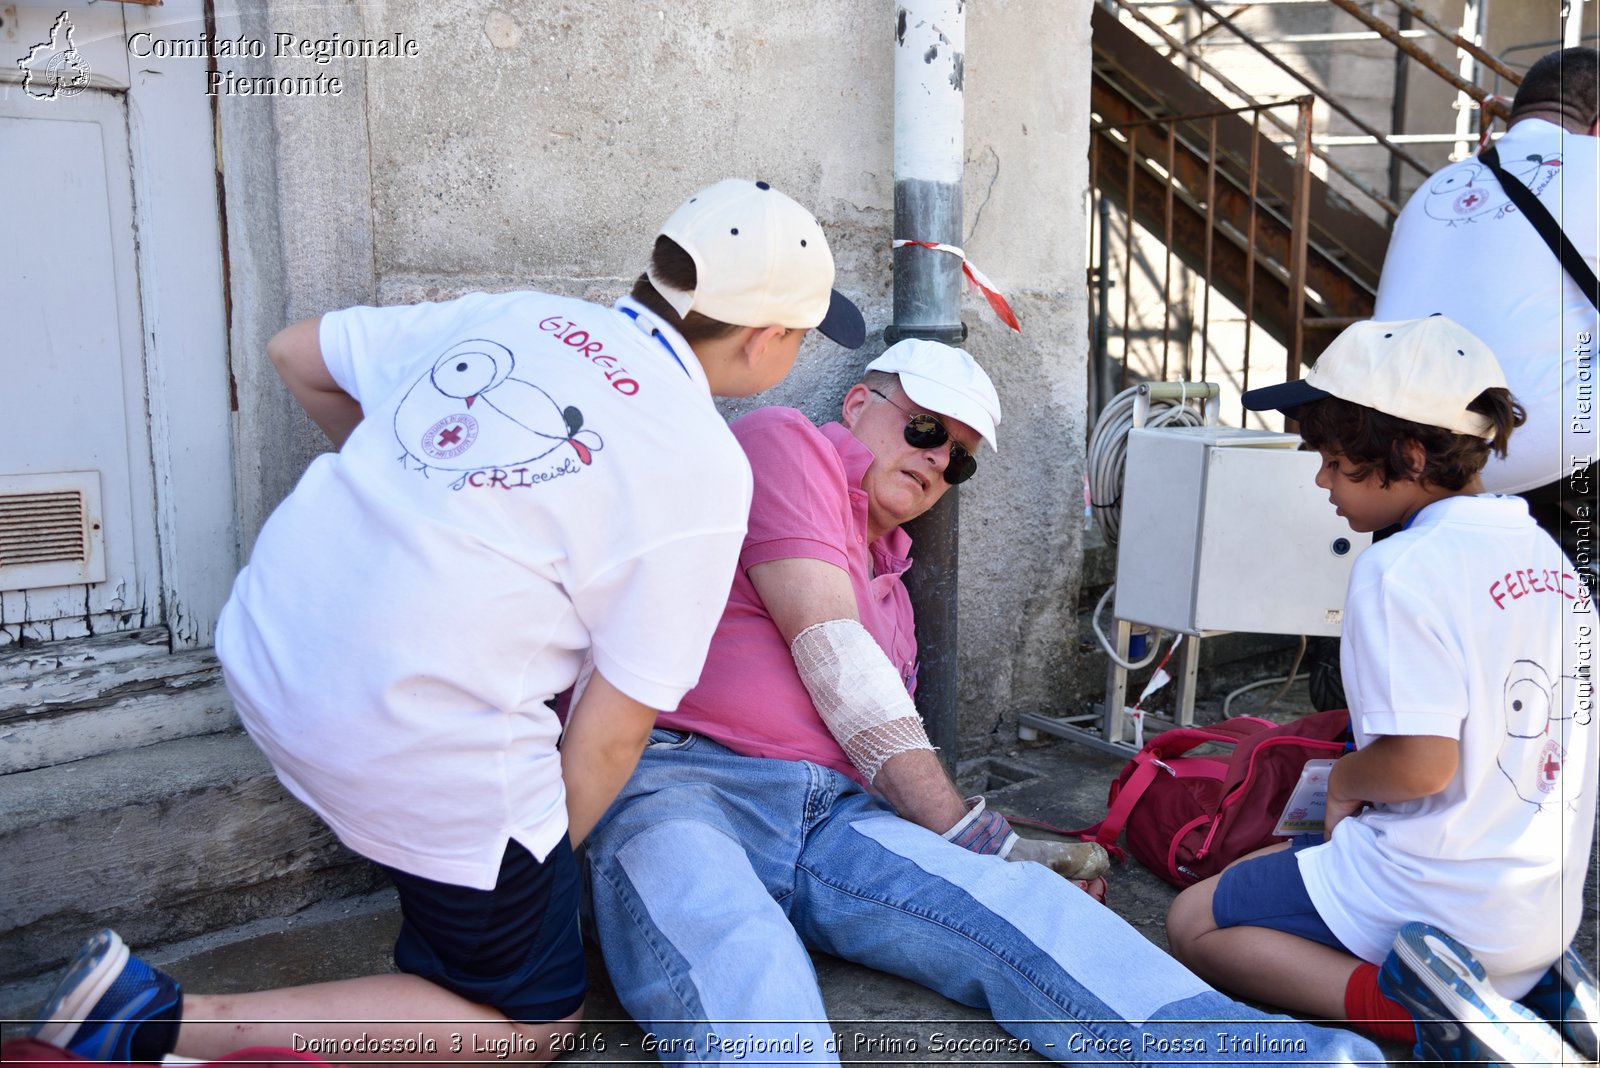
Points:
x=760, y=260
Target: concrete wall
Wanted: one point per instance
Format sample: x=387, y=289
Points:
x=538, y=144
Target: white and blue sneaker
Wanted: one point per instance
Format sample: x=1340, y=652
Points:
x=1459, y=1015
x=1566, y=997
x=106, y=995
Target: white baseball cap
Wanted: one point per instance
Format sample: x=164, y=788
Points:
x=946, y=381
x=760, y=260
x=1425, y=370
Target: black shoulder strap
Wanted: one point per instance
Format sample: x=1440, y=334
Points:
x=1537, y=214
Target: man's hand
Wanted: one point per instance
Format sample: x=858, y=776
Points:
x=1077, y=861
x=985, y=830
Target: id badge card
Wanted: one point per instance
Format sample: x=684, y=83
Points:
x=1303, y=814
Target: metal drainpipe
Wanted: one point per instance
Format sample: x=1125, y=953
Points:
x=929, y=149
x=1101, y=367
x=1572, y=35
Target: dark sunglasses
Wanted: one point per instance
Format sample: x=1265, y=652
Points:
x=923, y=431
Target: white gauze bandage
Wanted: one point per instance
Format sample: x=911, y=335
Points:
x=858, y=693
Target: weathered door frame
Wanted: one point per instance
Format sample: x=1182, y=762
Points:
x=182, y=284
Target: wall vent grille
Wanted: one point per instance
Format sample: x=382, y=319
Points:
x=50, y=530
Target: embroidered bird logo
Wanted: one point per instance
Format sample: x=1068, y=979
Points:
x=1538, y=726
x=469, y=413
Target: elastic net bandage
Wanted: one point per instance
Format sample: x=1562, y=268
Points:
x=858, y=693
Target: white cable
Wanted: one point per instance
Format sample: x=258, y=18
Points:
x=1287, y=680
x=1227, y=702
x=1105, y=643
x=1108, y=452
x=1108, y=457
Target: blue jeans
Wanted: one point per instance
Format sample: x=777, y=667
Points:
x=713, y=873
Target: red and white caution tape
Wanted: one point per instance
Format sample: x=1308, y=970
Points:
x=975, y=276
x=1157, y=681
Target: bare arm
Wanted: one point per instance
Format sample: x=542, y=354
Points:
x=296, y=354
x=799, y=592
x=605, y=734
x=1397, y=767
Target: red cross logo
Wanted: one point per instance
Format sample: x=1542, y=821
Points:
x=450, y=436
x=1550, y=767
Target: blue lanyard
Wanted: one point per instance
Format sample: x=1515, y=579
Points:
x=630, y=313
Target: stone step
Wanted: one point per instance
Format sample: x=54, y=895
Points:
x=163, y=843
x=68, y=700
x=873, y=1014
x=878, y=1018
x=170, y=841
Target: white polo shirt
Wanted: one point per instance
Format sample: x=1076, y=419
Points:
x=1461, y=247
x=1469, y=624
x=535, y=477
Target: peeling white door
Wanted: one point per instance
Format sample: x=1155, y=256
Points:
x=72, y=405
x=117, y=532
x=115, y=484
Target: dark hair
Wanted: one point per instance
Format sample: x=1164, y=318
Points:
x=1567, y=80
x=1375, y=441
x=675, y=267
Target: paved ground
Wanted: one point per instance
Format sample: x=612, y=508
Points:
x=879, y=1019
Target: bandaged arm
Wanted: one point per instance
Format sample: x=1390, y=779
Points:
x=858, y=694
x=860, y=697
x=799, y=592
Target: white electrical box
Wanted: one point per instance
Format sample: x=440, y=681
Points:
x=1225, y=530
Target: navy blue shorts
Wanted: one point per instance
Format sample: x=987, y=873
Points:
x=515, y=948
x=1269, y=892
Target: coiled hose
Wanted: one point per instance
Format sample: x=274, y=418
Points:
x=1108, y=458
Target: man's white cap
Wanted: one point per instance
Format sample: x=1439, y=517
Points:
x=946, y=381
x=760, y=259
x=1425, y=370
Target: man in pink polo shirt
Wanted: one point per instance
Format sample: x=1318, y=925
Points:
x=793, y=802
x=823, y=565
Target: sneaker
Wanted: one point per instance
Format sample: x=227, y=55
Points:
x=1567, y=999
x=103, y=998
x=1459, y=1016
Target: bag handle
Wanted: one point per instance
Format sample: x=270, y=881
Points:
x=1148, y=761
x=1182, y=833
x=1106, y=832
x=1537, y=214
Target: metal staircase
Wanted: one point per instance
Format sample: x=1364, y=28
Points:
x=1235, y=190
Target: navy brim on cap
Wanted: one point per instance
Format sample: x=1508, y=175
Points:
x=1283, y=397
x=843, y=323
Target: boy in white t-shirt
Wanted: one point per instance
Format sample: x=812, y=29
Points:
x=1468, y=804
x=521, y=480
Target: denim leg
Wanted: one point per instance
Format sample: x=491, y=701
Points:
x=710, y=864
x=688, y=871
x=1052, y=966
